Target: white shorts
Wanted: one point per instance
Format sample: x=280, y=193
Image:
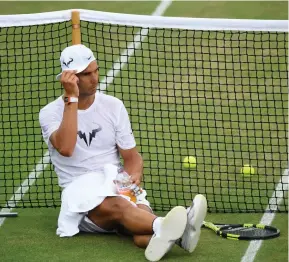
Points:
x=86, y=225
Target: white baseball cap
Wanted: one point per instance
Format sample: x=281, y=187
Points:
x=75, y=57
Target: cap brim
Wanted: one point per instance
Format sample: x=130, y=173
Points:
x=58, y=76
x=79, y=70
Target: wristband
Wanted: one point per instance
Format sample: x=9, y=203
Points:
x=69, y=100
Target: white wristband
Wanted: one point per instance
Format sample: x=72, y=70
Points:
x=70, y=99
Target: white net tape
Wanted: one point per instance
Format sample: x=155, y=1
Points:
x=146, y=21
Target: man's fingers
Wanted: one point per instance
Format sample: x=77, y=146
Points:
x=69, y=71
x=69, y=78
x=67, y=74
x=72, y=78
x=76, y=79
x=69, y=81
x=136, y=181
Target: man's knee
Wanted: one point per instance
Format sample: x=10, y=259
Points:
x=114, y=207
x=145, y=207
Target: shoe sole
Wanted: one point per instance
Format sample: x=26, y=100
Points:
x=172, y=228
x=196, y=217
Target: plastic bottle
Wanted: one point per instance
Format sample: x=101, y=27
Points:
x=125, y=185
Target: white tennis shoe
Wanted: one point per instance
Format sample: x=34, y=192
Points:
x=196, y=214
x=171, y=229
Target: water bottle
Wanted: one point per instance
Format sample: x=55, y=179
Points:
x=125, y=186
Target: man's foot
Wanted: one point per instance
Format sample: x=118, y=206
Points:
x=172, y=228
x=196, y=215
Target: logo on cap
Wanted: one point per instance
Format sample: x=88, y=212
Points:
x=67, y=63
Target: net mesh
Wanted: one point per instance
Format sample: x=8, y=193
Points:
x=220, y=96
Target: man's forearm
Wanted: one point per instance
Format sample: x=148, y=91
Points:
x=134, y=167
x=66, y=135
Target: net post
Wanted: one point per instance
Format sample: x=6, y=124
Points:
x=75, y=20
x=8, y=214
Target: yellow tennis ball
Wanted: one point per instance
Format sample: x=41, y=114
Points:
x=247, y=170
x=190, y=162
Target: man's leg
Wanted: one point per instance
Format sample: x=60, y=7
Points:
x=142, y=241
x=196, y=214
x=117, y=210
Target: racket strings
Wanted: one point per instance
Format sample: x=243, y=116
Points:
x=252, y=231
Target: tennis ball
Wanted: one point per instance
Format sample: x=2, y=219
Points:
x=189, y=162
x=247, y=170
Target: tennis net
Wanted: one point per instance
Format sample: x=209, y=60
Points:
x=215, y=89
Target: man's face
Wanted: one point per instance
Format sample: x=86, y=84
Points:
x=88, y=80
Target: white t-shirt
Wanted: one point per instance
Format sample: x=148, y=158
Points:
x=101, y=127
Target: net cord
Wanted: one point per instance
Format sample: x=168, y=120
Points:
x=35, y=19
x=208, y=24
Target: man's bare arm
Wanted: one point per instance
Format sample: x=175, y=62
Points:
x=64, y=139
x=133, y=163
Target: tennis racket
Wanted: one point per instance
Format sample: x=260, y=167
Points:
x=243, y=231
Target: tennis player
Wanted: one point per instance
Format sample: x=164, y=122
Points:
x=84, y=130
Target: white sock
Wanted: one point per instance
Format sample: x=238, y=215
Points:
x=157, y=225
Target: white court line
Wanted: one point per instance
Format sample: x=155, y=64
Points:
x=275, y=200
x=18, y=195
x=108, y=79
x=126, y=54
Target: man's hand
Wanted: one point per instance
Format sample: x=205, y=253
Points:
x=69, y=81
x=133, y=164
x=136, y=178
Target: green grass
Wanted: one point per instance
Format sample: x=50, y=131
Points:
x=231, y=9
x=268, y=250
x=210, y=99
x=137, y=7
x=39, y=243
